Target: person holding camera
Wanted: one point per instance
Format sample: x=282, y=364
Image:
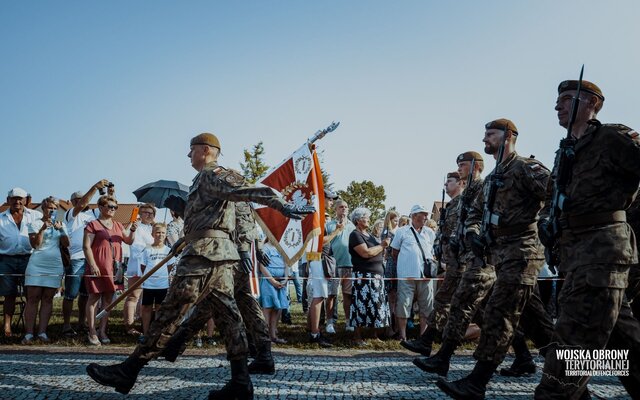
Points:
x=102, y=247
x=44, y=271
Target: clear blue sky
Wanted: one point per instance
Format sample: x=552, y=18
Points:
x=93, y=89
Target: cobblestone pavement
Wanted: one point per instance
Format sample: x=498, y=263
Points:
x=56, y=373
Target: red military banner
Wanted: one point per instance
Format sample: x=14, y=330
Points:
x=299, y=180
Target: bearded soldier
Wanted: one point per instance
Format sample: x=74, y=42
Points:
x=502, y=226
x=204, y=273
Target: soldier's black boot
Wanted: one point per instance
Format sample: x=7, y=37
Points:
x=471, y=387
x=423, y=344
x=523, y=364
x=176, y=345
x=438, y=364
x=263, y=363
x=121, y=376
x=239, y=387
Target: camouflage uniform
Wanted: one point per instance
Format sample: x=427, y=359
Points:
x=252, y=315
x=516, y=252
x=442, y=300
x=476, y=280
x=205, y=272
x=597, y=247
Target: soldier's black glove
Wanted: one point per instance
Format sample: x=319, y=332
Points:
x=245, y=262
x=262, y=258
x=437, y=250
x=545, y=234
x=454, y=244
x=176, y=204
x=477, y=243
x=174, y=249
x=297, y=212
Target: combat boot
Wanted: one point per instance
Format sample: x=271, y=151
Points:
x=438, y=364
x=263, y=363
x=423, y=344
x=239, y=387
x=523, y=364
x=121, y=376
x=175, y=346
x=472, y=387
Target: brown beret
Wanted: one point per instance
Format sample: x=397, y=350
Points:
x=208, y=139
x=586, y=86
x=502, y=124
x=454, y=175
x=468, y=156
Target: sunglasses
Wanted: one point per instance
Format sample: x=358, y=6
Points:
x=110, y=207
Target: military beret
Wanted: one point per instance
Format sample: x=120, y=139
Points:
x=454, y=175
x=586, y=86
x=208, y=139
x=468, y=156
x=502, y=124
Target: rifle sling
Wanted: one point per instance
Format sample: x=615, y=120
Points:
x=603, y=218
x=206, y=233
x=512, y=230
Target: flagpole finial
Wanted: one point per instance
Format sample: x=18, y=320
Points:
x=322, y=133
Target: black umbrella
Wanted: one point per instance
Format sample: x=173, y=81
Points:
x=157, y=192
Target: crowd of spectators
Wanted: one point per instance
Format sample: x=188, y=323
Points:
x=382, y=270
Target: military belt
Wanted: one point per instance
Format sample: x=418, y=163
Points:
x=512, y=230
x=206, y=233
x=603, y=218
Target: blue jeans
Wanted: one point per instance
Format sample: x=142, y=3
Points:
x=72, y=281
x=297, y=284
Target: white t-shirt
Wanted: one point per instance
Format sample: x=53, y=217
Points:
x=75, y=228
x=150, y=257
x=143, y=238
x=409, y=256
x=14, y=241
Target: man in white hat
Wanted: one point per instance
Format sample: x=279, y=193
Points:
x=412, y=249
x=15, y=250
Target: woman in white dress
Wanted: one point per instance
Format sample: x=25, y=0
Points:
x=44, y=271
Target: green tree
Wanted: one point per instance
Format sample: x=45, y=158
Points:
x=365, y=194
x=254, y=167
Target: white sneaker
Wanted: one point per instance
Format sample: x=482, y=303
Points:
x=330, y=329
x=349, y=328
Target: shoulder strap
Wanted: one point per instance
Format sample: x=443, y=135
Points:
x=113, y=252
x=424, y=258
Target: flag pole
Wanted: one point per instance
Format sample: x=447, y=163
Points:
x=323, y=132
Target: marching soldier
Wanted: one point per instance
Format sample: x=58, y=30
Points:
x=477, y=278
x=207, y=264
x=252, y=315
x=596, y=245
x=442, y=300
x=502, y=226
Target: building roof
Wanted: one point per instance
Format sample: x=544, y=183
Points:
x=123, y=213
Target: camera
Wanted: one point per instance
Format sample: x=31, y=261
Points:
x=102, y=191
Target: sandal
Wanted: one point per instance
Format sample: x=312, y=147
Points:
x=93, y=340
x=278, y=341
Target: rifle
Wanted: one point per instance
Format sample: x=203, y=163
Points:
x=438, y=245
x=457, y=241
x=563, y=167
x=488, y=217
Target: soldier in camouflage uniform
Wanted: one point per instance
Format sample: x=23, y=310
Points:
x=253, y=318
x=442, y=301
x=511, y=245
x=204, y=274
x=596, y=245
x=477, y=278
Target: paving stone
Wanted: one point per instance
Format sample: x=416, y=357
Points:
x=300, y=375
